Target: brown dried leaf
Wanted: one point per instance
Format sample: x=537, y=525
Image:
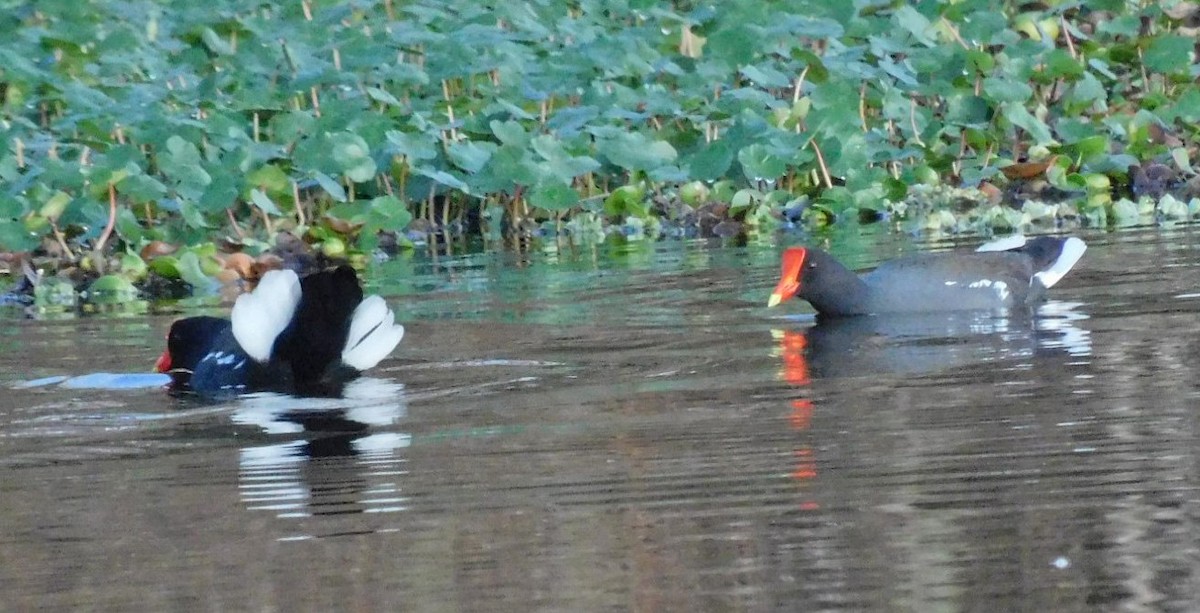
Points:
x=1028, y=170
x=157, y=248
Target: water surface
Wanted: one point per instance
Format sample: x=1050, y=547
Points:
x=629, y=429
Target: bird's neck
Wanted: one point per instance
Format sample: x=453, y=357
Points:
x=845, y=293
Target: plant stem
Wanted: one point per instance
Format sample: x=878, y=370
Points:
x=112, y=218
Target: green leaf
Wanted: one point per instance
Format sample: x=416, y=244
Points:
x=711, y=162
x=54, y=206
x=913, y=22
x=128, y=227
x=270, y=178
x=215, y=43
x=1060, y=64
x=352, y=155
x=559, y=163
x=331, y=187
x=633, y=151
x=380, y=95
x=391, y=210
x=1169, y=53
x=1020, y=117
x=967, y=110
x=469, y=155
x=141, y=188
x=412, y=146
x=760, y=162
x=190, y=271
x=442, y=177
x=264, y=202
x=734, y=45
x=15, y=237
x=509, y=132
x=111, y=289
x=1002, y=89
x=220, y=194
x=192, y=216
x=553, y=196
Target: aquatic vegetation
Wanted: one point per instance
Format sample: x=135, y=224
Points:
x=377, y=124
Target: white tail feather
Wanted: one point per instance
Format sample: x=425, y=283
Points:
x=373, y=334
x=1014, y=241
x=260, y=316
x=1072, y=250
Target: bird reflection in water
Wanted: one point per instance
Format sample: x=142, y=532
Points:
x=792, y=344
x=341, y=456
x=916, y=344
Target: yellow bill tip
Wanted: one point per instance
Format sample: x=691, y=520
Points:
x=774, y=300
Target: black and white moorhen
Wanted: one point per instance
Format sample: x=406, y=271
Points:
x=307, y=336
x=1002, y=274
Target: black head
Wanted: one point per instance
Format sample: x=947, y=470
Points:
x=817, y=277
x=188, y=341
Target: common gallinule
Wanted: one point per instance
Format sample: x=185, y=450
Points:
x=309, y=336
x=1009, y=272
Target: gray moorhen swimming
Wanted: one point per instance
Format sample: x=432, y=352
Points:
x=307, y=336
x=1008, y=272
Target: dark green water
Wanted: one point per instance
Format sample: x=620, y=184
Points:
x=632, y=430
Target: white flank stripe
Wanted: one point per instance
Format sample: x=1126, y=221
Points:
x=1004, y=244
x=260, y=316
x=374, y=333
x=1072, y=250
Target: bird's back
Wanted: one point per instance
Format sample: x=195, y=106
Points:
x=960, y=281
